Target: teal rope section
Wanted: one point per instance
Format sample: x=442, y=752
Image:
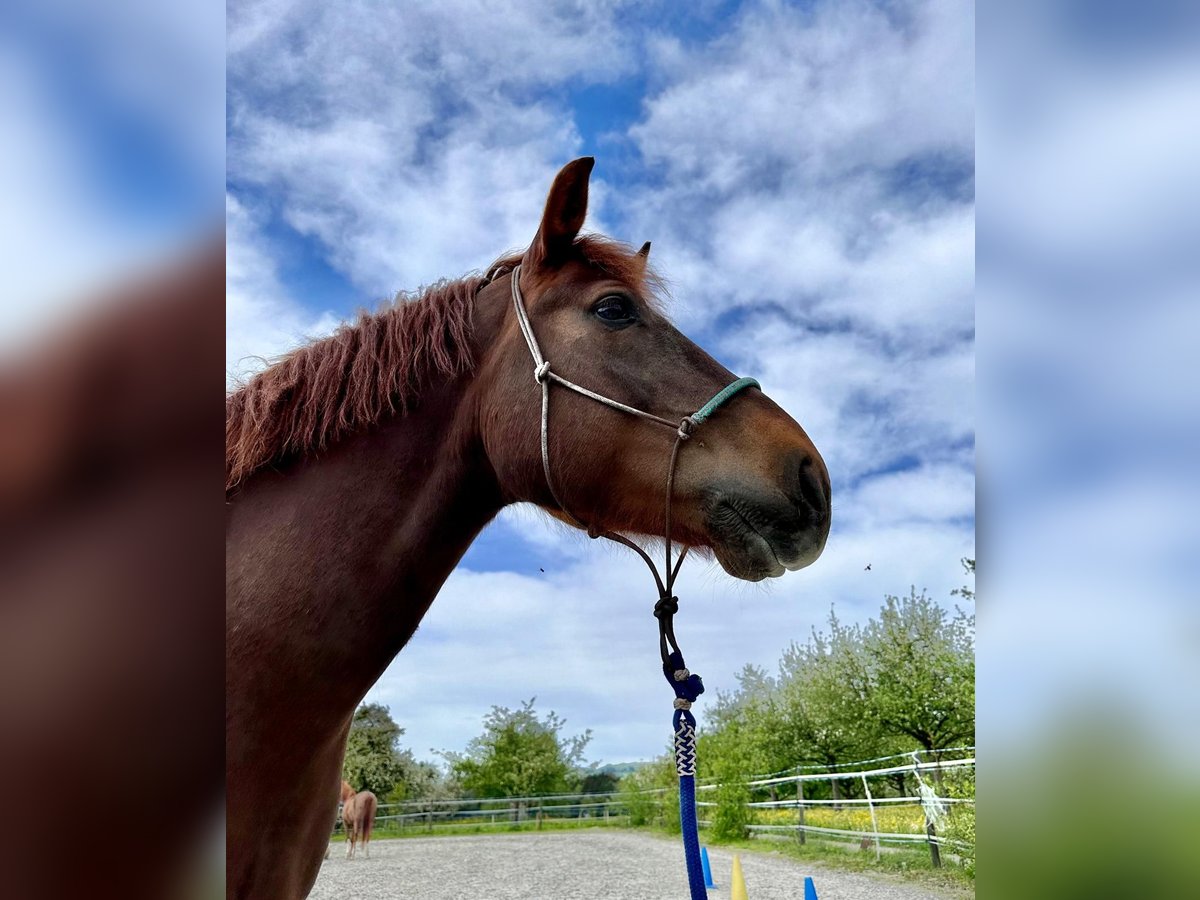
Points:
x=722, y=397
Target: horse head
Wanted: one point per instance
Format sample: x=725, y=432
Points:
x=749, y=483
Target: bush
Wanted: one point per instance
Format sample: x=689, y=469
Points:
x=732, y=813
x=645, y=808
x=959, y=824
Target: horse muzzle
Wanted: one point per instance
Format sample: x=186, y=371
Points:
x=757, y=535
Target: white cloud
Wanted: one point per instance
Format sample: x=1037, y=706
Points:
x=825, y=90
x=785, y=135
x=261, y=320
x=863, y=403
x=405, y=139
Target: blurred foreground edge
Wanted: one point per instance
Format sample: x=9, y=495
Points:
x=111, y=572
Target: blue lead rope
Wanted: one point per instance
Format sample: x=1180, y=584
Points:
x=687, y=688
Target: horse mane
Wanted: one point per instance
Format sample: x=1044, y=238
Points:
x=375, y=367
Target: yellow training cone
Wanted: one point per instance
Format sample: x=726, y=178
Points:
x=737, y=884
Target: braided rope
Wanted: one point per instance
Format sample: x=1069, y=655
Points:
x=685, y=742
x=685, y=765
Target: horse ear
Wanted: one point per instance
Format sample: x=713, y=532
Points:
x=566, y=208
x=642, y=257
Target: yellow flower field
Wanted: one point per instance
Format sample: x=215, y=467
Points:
x=900, y=819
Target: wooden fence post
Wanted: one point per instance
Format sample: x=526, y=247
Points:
x=935, y=855
x=800, y=833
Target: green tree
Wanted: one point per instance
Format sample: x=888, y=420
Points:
x=374, y=761
x=650, y=794
x=916, y=672
x=596, y=782
x=820, y=705
x=810, y=713
x=750, y=711
x=518, y=754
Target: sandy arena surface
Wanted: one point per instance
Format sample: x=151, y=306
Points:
x=594, y=864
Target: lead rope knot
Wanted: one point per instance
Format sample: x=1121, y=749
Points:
x=540, y=372
x=686, y=685
x=666, y=606
x=686, y=427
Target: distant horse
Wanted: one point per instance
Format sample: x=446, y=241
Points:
x=360, y=468
x=358, y=816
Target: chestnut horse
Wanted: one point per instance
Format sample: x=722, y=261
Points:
x=358, y=817
x=362, y=466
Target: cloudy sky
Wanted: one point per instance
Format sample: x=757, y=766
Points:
x=806, y=174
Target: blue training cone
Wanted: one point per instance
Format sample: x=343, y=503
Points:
x=810, y=890
x=708, y=882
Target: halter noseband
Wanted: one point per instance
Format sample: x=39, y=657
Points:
x=666, y=606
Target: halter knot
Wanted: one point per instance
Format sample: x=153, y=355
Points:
x=666, y=606
x=540, y=373
x=689, y=687
x=685, y=427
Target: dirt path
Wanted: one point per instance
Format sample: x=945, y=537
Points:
x=594, y=864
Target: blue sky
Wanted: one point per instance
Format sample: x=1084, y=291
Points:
x=806, y=174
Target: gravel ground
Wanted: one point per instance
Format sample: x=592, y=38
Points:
x=592, y=864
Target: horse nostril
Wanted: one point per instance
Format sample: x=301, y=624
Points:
x=811, y=486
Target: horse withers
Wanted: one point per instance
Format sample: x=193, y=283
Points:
x=358, y=818
x=360, y=467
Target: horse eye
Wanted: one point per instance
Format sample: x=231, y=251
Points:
x=614, y=309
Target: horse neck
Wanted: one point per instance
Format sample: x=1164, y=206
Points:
x=333, y=562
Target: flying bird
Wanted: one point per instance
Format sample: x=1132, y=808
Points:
x=868, y=568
